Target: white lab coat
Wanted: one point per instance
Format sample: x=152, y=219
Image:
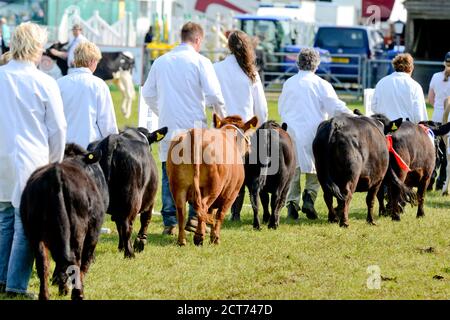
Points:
x=441, y=89
x=71, y=48
x=88, y=107
x=305, y=101
x=179, y=86
x=400, y=96
x=242, y=97
x=32, y=126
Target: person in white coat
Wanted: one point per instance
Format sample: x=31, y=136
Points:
x=440, y=90
x=32, y=134
x=88, y=105
x=398, y=95
x=239, y=80
x=179, y=86
x=69, y=55
x=305, y=101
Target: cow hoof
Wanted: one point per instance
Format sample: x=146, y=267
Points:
x=139, y=244
x=198, y=240
x=272, y=226
x=333, y=219
x=420, y=216
x=129, y=255
x=371, y=223
x=236, y=217
x=396, y=217
x=256, y=227
x=344, y=224
x=182, y=242
x=266, y=219
x=63, y=290
x=215, y=240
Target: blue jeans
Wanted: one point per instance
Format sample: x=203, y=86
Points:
x=16, y=257
x=169, y=211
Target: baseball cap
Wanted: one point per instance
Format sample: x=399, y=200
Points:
x=447, y=57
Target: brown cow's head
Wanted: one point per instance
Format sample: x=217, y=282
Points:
x=236, y=122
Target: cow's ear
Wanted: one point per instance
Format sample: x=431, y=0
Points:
x=217, y=122
x=93, y=157
x=251, y=124
x=158, y=135
x=284, y=126
x=394, y=125
x=357, y=112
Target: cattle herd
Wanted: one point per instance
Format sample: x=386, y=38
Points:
x=118, y=175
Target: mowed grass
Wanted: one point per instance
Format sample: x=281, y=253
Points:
x=301, y=260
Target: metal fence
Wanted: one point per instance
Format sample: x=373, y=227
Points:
x=349, y=74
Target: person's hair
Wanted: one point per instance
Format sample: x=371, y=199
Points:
x=27, y=42
x=241, y=46
x=308, y=59
x=77, y=26
x=85, y=53
x=4, y=58
x=190, y=31
x=446, y=71
x=403, y=62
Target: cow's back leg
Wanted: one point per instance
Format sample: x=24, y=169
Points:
x=380, y=196
x=349, y=190
x=328, y=198
x=42, y=266
x=265, y=199
x=277, y=201
x=119, y=231
x=127, y=229
x=141, y=239
x=421, y=190
x=370, y=201
x=236, y=208
x=180, y=203
x=253, y=190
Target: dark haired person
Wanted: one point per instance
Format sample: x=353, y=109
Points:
x=305, y=101
x=179, y=86
x=239, y=80
x=398, y=95
x=440, y=90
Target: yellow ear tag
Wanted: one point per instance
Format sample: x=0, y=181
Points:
x=252, y=126
x=91, y=156
x=218, y=123
x=159, y=136
x=394, y=127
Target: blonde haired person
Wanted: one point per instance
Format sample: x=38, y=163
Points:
x=4, y=58
x=440, y=90
x=32, y=134
x=88, y=105
x=398, y=95
x=239, y=80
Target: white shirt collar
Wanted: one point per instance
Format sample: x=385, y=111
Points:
x=401, y=74
x=80, y=70
x=21, y=63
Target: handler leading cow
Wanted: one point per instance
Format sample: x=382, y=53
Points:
x=306, y=101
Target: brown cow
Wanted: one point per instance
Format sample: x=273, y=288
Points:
x=205, y=167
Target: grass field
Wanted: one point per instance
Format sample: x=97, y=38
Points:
x=301, y=260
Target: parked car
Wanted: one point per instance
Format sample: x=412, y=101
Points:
x=348, y=45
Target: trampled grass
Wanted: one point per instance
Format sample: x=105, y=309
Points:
x=301, y=260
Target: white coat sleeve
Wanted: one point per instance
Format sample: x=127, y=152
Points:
x=259, y=101
x=374, y=102
x=55, y=122
x=106, y=117
x=282, y=103
x=211, y=87
x=149, y=90
x=331, y=103
x=418, y=104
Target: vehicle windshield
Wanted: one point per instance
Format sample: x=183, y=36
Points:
x=270, y=33
x=340, y=38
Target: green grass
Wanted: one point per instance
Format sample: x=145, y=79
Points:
x=300, y=260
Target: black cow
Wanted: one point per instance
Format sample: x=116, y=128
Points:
x=416, y=149
x=351, y=155
x=272, y=142
x=132, y=179
x=62, y=209
x=110, y=63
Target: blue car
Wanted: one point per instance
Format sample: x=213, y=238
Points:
x=348, y=47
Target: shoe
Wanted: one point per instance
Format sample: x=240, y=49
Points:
x=21, y=296
x=169, y=230
x=308, y=206
x=192, y=223
x=292, y=211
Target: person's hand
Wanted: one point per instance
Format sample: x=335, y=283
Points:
x=54, y=52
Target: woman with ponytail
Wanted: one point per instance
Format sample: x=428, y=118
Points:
x=440, y=90
x=239, y=80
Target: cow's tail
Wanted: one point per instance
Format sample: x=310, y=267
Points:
x=406, y=194
x=62, y=227
x=330, y=185
x=198, y=206
x=111, y=145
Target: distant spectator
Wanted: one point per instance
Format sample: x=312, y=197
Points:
x=149, y=35
x=398, y=95
x=5, y=35
x=77, y=39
